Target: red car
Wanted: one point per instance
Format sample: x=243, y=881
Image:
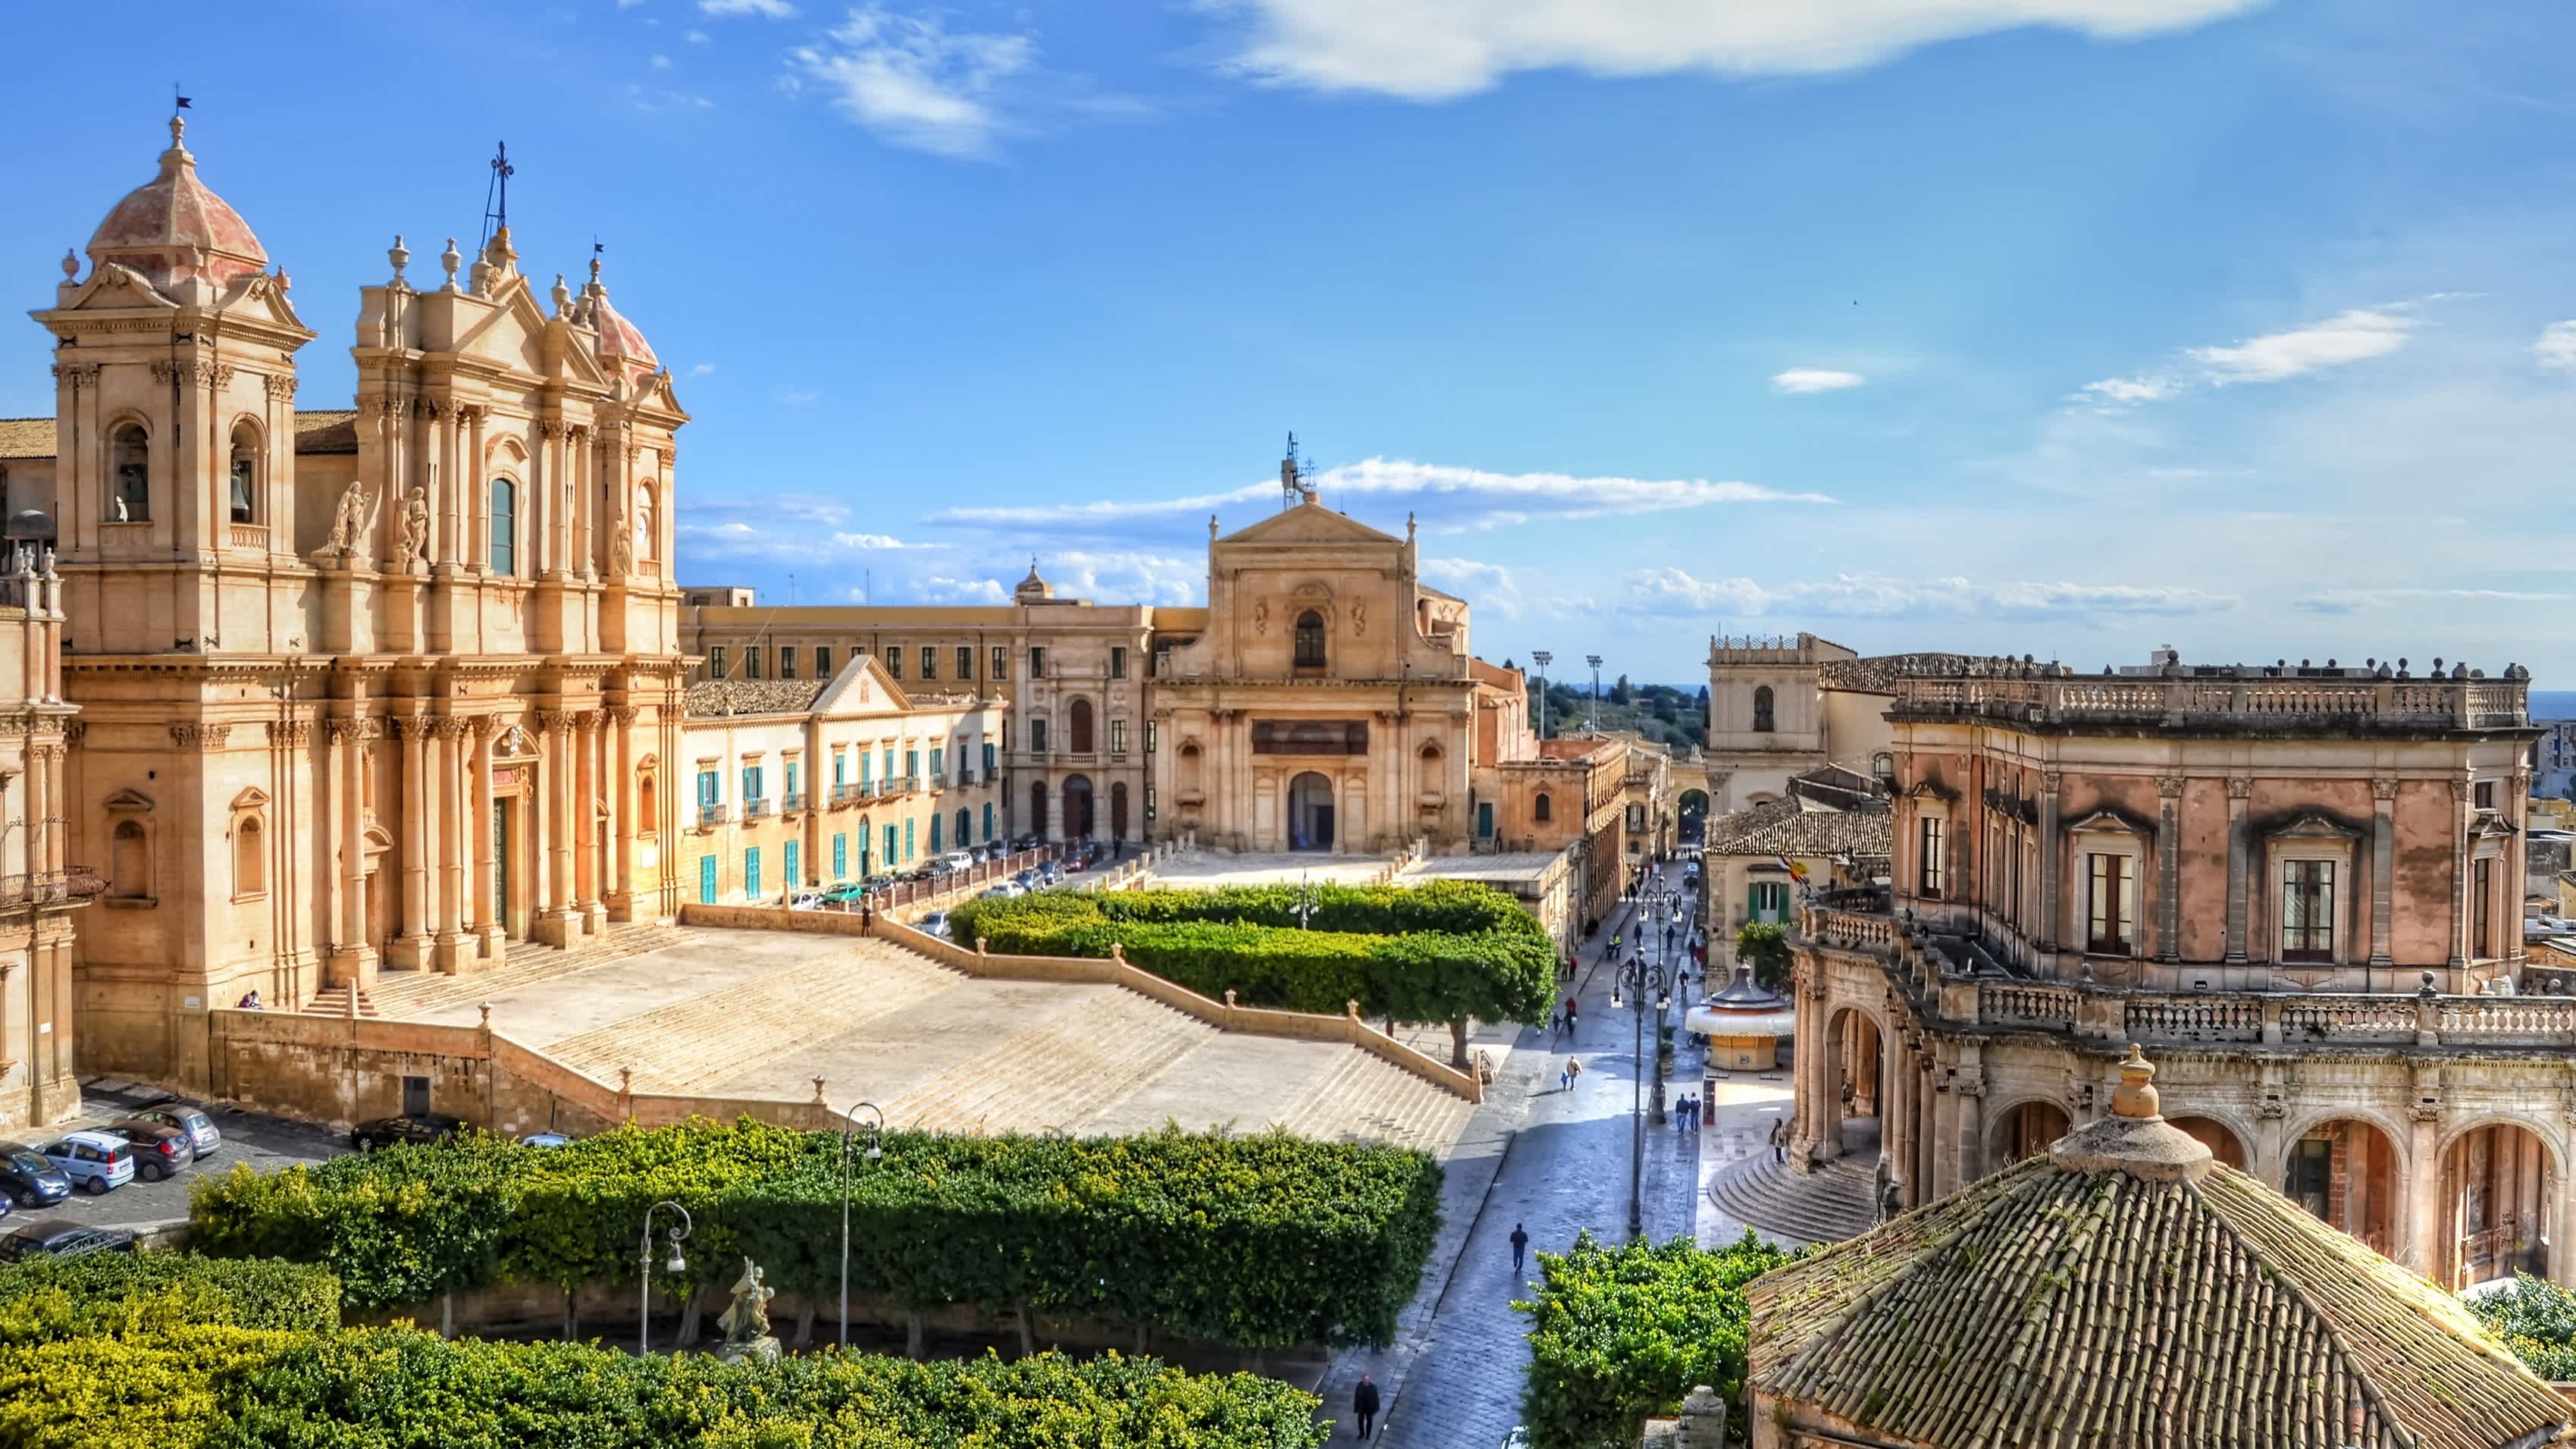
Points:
x=159, y=1151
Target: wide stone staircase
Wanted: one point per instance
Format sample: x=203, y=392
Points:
x=699, y=1042
x=1825, y=1206
x=1103, y=1049
x=417, y=993
x=334, y=1001
x=1364, y=1097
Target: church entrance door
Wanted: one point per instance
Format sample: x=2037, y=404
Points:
x=1310, y=812
x=504, y=840
x=1118, y=810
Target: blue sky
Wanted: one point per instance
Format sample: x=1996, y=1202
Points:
x=2067, y=327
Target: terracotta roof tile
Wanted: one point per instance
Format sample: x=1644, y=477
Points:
x=714, y=698
x=2060, y=1307
x=26, y=437
x=1801, y=827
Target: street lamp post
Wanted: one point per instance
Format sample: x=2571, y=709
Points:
x=1635, y=979
x=1544, y=660
x=674, y=1268
x=1594, y=724
x=876, y=1151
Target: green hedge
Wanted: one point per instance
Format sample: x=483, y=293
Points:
x=1444, y=951
x=2537, y=1320
x=1621, y=1333
x=126, y=1294
x=1261, y=1241
x=378, y=1388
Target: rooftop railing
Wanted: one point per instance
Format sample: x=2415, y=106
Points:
x=2238, y=702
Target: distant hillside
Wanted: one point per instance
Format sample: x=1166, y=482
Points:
x=1660, y=712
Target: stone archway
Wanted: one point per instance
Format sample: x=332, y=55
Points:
x=1310, y=812
x=2498, y=1185
x=2217, y=1136
x=1856, y=1085
x=2027, y=1131
x=1691, y=810
x=2344, y=1172
x=1077, y=807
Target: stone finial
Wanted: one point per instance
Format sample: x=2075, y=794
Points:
x=451, y=259
x=1118, y=952
x=178, y=132
x=626, y=1080
x=1229, y=998
x=71, y=264
x=563, y=296
x=818, y=1092
x=2135, y=1098
x=1351, y=1007
x=400, y=256
x=485, y=1008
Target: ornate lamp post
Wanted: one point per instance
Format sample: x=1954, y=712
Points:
x=674, y=1268
x=1303, y=905
x=1594, y=724
x=1635, y=980
x=876, y=1151
x=1543, y=659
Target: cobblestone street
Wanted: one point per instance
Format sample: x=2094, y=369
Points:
x=1555, y=1161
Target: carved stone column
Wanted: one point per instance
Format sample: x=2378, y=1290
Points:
x=448, y=818
x=2052, y=863
x=2240, y=789
x=589, y=840
x=2383, y=866
x=410, y=949
x=556, y=923
x=2460, y=818
x=485, y=909
x=622, y=807
x=353, y=957
x=2424, y=1232
x=2169, y=867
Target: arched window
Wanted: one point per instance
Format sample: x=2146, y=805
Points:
x=1883, y=765
x=1078, y=727
x=1762, y=710
x=245, y=475
x=648, y=532
x=505, y=526
x=129, y=451
x=1310, y=640
x=250, y=861
x=1543, y=809
x=129, y=864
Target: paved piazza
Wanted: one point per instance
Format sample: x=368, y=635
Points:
x=1207, y=869
x=761, y=1014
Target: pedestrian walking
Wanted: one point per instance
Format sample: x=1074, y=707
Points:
x=1570, y=1009
x=1364, y=1403
x=1573, y=1073
x=1520, y=1248
x=1780, y=1140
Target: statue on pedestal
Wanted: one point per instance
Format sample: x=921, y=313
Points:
x=746, y=1320
x=347, y=521
x=414, y=545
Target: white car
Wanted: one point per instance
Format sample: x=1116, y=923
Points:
x=806, y=901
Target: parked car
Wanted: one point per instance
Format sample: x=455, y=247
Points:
x=934, y=924
x=28, y=1180
x=419, y=1127
x=1026, y=880
x=159, y=1151
x=842, y=895
x=960, y=859
x=56, y=1238
x=805, y=901
x=203, y=1136
x=546, y=1139
x=96, y=1162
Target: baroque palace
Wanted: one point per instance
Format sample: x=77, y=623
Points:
x=2301, y=888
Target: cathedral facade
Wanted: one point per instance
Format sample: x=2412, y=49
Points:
x=382, y=689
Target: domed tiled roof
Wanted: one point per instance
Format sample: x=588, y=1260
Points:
x=2127, y=1292
x=621, y=345
x=1033, y=589
x=172, y=228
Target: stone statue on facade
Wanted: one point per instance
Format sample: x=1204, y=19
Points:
x=621, y=552
x=746, y=1320
x=415, y=532
x=347, y=521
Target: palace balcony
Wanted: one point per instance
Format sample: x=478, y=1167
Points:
x=2342, y=700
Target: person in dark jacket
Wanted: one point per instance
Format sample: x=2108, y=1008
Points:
x=1364, y=1403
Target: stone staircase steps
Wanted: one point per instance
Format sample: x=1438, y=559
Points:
x=1363, y=1097
x=1826, y=1206
x=417, y=993
x=693, y=1044
x=1055, y=1074
x=334, y=1001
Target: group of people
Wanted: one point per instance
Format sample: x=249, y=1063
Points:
x=1686, y=1113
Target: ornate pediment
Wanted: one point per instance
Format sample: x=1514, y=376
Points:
x=2113, y=820
x=132, y=800
x=2311, y=825
x=251, y=798
x=1308, y=523
x=515, y=743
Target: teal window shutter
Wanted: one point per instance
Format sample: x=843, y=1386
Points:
x=751, y=874
x=794, y=879
x=841, y=856
x=706, y=880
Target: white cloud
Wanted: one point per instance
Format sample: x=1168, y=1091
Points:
x=910, y=81
x=1814, y=379
x=1673, y=591
x=702, y=369
x=939, y=589
x=2557, y=345
x=1437, y=51
x=1126, y=576
x=766, y=9
x=1447, y=497
x=2346, y=337
x=2353, y=601
x=2127, y=391
x=787, y=529
x=798, y=396
x=696, y=37
x=1491, y=588
x=661, y=62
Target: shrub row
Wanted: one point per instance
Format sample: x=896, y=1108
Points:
x=384, y=1387
x=1621, y=1333
x=128, y=1294
x=1440, y=952
x=1261, y=1241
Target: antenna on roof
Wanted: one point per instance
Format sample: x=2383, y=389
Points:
x=1296, y=478
x=496, y=195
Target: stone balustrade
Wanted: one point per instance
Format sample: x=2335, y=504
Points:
x=2247, y=700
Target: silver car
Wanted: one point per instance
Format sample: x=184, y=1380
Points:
x=203, y=1135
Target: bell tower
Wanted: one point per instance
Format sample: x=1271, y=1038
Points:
x=175, y=420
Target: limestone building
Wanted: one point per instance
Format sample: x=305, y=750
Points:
x=805, y=784
x=2299, y=886
x=373, y=689
x=41, y=882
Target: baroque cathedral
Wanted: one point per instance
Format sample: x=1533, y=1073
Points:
x=376, y=689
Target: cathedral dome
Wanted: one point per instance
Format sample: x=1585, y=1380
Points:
x=621, y=345
x=172, y=228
